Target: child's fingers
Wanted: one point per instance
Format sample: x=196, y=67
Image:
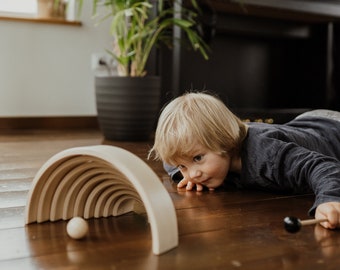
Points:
x=330, y=211
x=190, y=185
x=333, y=220
x=199, y=187
x=182, y=183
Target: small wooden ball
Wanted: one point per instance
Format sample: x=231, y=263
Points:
x=77, y=228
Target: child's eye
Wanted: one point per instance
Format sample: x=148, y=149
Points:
x=198, y=158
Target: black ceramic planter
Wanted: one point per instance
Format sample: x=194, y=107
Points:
x=127, y=107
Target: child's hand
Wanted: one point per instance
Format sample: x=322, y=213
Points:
x=189, y=185
x=330, y=211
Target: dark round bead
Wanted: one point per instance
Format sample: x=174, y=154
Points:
x=292, y=224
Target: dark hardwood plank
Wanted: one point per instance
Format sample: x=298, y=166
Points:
x=51, y=122
x=224, y=229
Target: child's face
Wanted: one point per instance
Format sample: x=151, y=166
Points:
x=205, y=167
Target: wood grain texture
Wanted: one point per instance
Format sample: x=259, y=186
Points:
x=224, y=229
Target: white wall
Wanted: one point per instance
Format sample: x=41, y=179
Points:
x=45, y=69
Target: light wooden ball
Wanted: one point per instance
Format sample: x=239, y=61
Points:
x=77, y=228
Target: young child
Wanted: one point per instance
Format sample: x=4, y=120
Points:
x=201, y=140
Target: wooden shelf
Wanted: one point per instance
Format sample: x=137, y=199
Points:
x=49, y=20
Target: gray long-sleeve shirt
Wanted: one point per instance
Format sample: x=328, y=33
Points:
x=300, y=156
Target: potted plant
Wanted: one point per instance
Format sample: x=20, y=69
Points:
x=128, y=104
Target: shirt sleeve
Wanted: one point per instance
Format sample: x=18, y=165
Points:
x=173, y=172
x=285, y=167
x=301, y=168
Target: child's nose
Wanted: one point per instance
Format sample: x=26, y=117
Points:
x=195, y=173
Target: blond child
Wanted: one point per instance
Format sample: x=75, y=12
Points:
x=200, y=139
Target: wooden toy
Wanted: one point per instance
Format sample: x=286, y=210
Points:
x=293, y=224
x=101, y=181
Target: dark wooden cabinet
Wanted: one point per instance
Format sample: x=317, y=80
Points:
x=263, y=57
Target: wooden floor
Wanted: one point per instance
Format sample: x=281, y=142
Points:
x=224, y=229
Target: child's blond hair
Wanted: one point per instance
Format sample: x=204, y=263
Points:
x=196, y=118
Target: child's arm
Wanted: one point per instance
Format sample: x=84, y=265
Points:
x=330, y=211
x=295, y=169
